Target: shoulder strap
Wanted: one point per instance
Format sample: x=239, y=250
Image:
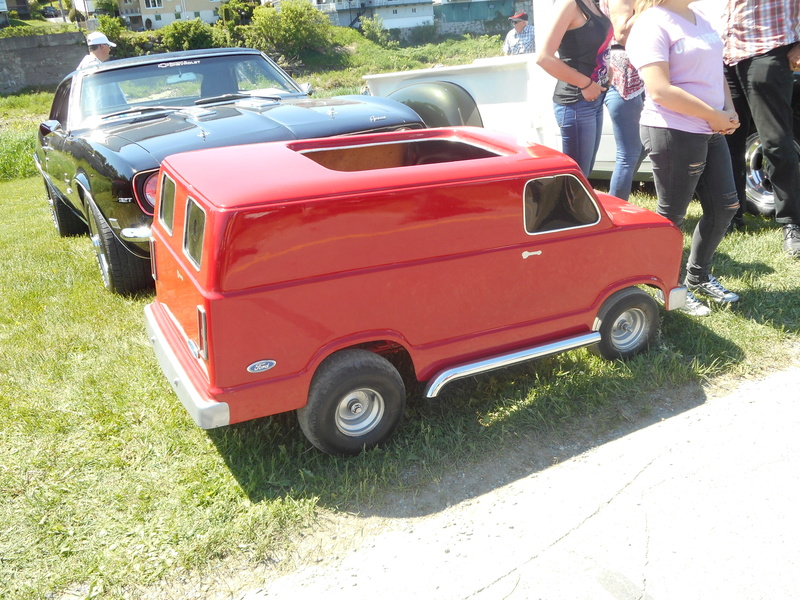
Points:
x=584, y=9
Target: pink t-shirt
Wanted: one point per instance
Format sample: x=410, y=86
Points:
x=694, y=54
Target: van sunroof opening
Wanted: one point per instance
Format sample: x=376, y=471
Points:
x=397, y=154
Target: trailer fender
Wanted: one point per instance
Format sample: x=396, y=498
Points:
x=440, y=104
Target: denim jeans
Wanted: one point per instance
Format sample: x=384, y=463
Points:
x=630, y=153
x=581, y=124
x=685, y=164
x=762, y=92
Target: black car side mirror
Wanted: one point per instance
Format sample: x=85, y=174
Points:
x=50, y=126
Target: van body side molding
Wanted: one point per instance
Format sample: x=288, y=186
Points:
x=501, y=361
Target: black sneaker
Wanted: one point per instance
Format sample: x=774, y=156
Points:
x=713, y=289
x=737, y=224
x=791, y=239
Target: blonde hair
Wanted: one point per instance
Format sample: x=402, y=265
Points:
x=643, y=5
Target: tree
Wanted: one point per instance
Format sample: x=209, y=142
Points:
x=106, y=7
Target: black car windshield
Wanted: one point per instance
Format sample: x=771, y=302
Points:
x=177, y=83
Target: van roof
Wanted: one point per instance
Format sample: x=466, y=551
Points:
x=287, y=171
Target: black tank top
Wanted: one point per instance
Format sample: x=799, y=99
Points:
x=585, y=50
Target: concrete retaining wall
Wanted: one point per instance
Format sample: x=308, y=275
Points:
x=38, y=60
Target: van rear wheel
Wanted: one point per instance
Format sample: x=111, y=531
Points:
x=355, y=402
x=628, y=324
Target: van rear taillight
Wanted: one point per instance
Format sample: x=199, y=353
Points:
x=202, y=332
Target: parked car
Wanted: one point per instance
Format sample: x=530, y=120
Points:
x=435, y=254
x=512, y=94
x=49, y=12
x=111, y=126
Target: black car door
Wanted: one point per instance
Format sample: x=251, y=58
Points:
x=58, y=162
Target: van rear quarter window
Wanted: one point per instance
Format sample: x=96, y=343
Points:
x=194, y=232
x=166, y=210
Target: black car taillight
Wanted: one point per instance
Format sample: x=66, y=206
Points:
x=144, y=190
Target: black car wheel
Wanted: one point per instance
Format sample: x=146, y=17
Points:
x=122, y=272
x=628, y=324
x=355, y=402
x=67, y=223
x=760, y=200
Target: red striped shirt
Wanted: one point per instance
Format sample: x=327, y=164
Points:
x=754, y=27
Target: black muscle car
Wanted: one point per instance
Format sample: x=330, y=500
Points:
x=111, y=126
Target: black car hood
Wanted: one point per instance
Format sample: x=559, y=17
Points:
x=250, y=121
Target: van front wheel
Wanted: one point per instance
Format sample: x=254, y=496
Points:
x=627, y=323
x=355, y=402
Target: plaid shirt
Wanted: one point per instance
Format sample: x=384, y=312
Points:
x=519, y=43
x=754, y=27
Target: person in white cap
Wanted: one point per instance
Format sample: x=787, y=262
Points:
x=99, y=50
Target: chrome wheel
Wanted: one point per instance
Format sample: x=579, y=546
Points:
x=630, y=329
x=355, y=402
x=627, y=323
x=758, y=186
x=760, y=199
x=102, y=259
x=359, y=412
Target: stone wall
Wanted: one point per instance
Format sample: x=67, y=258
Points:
x=39, y=60
x=473, y=27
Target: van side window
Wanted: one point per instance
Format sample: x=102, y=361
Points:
x=559, y=202
x=166, y=211
x=194, y=231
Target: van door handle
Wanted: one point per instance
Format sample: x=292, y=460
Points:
x=526, y=254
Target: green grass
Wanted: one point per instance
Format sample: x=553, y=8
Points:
x=20, y=114
x=342, y=72
x=107, y=483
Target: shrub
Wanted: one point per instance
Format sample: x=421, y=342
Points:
x=373, y=30
x=227, y=35
x=297, y=28
x=425, y=34
x=17, y=31
x=111, y=26
x=187, y=35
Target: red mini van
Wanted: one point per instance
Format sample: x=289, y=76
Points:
x=306, y=275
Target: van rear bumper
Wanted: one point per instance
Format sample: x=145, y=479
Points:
x=207, y=413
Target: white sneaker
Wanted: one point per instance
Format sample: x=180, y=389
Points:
x=714, y=290
x=694, y=307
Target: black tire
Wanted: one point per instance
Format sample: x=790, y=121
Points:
x=628, y=324
x=122, y=272
x=355, y=402
x=760, y=200
x=67, y=223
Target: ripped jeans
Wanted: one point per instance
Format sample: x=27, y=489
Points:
x=688, y=163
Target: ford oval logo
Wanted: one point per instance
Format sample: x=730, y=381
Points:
x=260, y=366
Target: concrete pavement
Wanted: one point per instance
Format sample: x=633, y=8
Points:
x=702, y=505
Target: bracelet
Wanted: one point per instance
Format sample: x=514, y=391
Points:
x=587, y=85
